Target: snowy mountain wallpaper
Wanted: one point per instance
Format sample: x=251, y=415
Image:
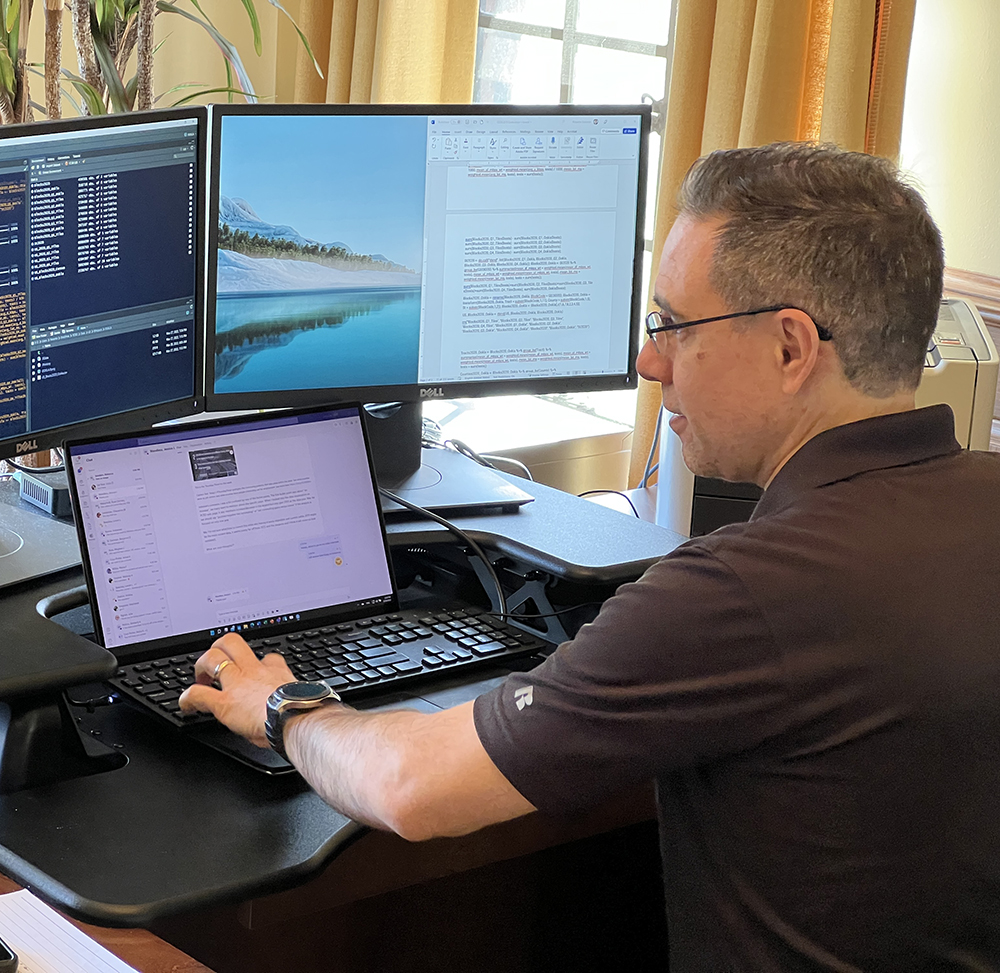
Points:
x=320, y=238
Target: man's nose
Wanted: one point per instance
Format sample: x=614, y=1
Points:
x=652, y=365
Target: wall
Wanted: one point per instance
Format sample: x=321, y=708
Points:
x=951, y=125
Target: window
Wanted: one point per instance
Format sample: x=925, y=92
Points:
x=570, y=52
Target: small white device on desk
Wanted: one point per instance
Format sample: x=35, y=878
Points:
x=960, y=369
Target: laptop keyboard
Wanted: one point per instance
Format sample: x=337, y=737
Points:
x=358, y=658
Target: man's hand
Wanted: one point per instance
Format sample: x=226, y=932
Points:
x=245, y=681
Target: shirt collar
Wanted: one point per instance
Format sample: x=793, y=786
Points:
x=878, y=443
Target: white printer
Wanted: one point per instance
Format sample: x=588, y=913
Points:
x=960, y=370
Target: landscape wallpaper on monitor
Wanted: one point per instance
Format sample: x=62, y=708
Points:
x=319, y=251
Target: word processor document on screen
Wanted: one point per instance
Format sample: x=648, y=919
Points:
x=529, y=242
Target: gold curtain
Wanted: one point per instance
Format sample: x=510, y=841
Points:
x=749, y=72
x=387, y=51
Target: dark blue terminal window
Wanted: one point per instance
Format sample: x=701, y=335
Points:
x=97, y=273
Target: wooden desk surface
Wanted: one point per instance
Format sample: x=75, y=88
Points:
x=137, y=947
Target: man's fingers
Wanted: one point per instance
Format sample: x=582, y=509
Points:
x=204, y=699
x=236, y=648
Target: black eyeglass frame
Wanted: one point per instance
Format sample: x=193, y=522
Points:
x=823, y=333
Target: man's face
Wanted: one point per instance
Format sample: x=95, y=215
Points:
x=722, y=386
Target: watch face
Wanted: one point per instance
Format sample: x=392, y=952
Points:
x=304, y=691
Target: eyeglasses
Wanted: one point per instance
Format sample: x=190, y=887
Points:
x=657, y=322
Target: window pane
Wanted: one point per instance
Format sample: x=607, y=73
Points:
x=517, y=69
x=608, y=77
x=633, y=20
x=544, y=13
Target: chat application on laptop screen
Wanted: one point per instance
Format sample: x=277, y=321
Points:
x=239, y=527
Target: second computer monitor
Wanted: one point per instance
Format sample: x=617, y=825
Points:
x=407, y=252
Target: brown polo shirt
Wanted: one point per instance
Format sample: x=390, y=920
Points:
x=817, y=694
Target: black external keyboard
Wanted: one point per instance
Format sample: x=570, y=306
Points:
x=355, y=658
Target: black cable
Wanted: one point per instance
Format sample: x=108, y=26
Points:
x=624, y=496
x=461, y=534
x=562, y=611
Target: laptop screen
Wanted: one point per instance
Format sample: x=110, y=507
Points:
x=240, y=526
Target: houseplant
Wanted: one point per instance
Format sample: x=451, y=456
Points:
x=106, y=34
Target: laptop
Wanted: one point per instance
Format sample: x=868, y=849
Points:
x=268, y=526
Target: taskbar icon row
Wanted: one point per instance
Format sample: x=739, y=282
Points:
x=257, y=623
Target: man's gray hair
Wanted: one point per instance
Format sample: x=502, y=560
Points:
x=838, y=234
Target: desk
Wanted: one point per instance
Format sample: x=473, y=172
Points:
x=119, y=847
x=137, y=947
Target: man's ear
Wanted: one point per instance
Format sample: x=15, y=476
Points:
x=799, y=348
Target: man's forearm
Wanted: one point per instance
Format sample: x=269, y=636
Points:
x=420, y=775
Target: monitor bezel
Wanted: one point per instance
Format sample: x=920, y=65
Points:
x=415, y=392
x=15, y=447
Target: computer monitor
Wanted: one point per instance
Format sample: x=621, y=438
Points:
x=399, y=253
x=101, y=271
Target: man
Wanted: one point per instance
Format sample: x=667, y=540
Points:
x=816, y=692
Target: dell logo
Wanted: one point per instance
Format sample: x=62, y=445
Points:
x=432, y=393
x=28, y=446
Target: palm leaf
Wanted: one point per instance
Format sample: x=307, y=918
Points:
x=254, y=24
x=198, y=94
x=92, y=99
x=302, y=37
x=11, y=8
x=229, y=52
x=109, y=73
x=7, y=81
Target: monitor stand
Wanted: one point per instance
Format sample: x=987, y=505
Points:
x=442, y=480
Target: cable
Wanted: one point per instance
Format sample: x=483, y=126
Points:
x=493, y=460
x=625, y=496
x=562, y=611
x=480, y=553
x=650, y=469
x=468, y=452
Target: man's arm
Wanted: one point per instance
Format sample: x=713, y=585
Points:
x=420, y=775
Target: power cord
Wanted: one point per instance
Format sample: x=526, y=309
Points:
x=463, y=536
x=562, y=611
x=650, y=468
x=624, y=496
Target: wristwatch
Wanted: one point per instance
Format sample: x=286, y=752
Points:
x=290, y=700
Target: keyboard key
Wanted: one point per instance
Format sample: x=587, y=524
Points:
x=270, y=643
x=409, y=636
x=294, y=637
x=354, y=677
x=392, y=640
x=378, y=630
x=375, y=653
x=488, y=648
x=391, y=659
x=422, y=632
x=336, y=682
x=462, y=653
x=387, y=670
x=447, y=657
x=407, y=666
x=311, y=634
x=368, y=643
x=369, y=674
x=352, y=656
x=432, y=662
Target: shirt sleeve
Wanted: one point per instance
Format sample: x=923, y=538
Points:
x=677, y=670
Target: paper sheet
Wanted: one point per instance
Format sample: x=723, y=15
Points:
x=46, y=943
